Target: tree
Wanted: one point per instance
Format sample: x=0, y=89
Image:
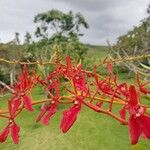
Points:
x=28, y=38
x=64, y=25
x=16, y=40
x=135, y=42
x=63, y=30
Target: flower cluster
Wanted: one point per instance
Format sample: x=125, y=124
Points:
x=82, y=87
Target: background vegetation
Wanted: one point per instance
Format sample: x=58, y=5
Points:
x=92, y=131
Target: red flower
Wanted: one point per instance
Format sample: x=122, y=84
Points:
x=46, y=113
x=15, y=133
x=106, y=88
x=54, y=86
x=27, y=103
x=69, y=117
x=80, y=83
x=51, y=111
x=14, y=104
x=4, y=134
x=14, y=129
x=133, y=100
x=25, y=83
x=104, y=85
x=139, y=124
x=123, y=113
x=42, y=112
x=123, y=89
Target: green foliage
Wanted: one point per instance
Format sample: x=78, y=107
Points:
x=64, y=25
x=136, y=38
x=65, y=29
x=28, y=38
x=10, y=51
x=135, y=42
x=4, y=76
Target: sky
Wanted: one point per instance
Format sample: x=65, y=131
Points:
x=107, y=19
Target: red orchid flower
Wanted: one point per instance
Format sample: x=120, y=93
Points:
x=15, y=133
x=58, y=71
x=80, y=83
x=77, y=74
x=51, y=111
x=132, y=103
x=62, y=70
x=13, y=106
x=43, y=110
x=26, y=100
x=24, y=84
x=4, y=134
x=27, y=103
x=13, y=129
x=69, y=117
x=46, y=113
x=123, y=89
x=104, y=85
x=139, y=123
x=54, y=85
x=122, y=113
x=106, y=88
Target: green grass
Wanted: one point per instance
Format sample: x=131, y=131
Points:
x=91, y=131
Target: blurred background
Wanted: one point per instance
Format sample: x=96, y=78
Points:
x=89, y=31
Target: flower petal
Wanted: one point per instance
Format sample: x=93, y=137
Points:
x=133, y=96
x=4, y=134
x=69, y=117
x=134, y=129
x=16, y=103
x=41, y=114
x=123, y=113
x=145, y=124
x=50, y=113
x=15, y=133
x=28, y=103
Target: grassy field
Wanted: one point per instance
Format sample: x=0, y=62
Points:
x=92, y=131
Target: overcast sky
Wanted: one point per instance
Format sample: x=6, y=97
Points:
x=107, y=18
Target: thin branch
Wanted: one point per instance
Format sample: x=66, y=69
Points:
x=7, y=87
